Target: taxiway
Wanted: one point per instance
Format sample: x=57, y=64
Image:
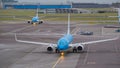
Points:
x=21, y=55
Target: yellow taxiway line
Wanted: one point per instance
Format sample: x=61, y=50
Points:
x=59, y=59
x=56, y=62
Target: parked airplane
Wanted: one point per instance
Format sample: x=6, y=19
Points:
x=65, y=42
x=35, y=19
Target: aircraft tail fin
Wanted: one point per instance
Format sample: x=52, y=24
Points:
x=37, y=13
x=68, y=32
x=37, y=9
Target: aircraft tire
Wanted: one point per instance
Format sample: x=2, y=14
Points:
x=57, y=51
x=40, y=22
x=74, y=50
x=31, y=22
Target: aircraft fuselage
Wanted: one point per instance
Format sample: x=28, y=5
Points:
x=35, y=19
x=63, y=42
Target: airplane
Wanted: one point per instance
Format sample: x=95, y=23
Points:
x=36, y=19
x=65, y=42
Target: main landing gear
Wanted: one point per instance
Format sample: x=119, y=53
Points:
x=61, y=52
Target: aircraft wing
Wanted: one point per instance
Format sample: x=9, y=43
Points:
x=32, y=42
x=91, y=42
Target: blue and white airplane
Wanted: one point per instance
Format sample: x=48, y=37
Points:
x=35, y=19
x=65, y=42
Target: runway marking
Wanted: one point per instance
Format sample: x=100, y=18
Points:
x=116, y=49
x=85, y=60
x=19, y=29
x=75, y=30
x=38, y=30
x=20, y=19
x=30, y=52
x=56, y=62
x=91, y=62
x=59, y=59
x=104, y=31
x=52, y=18
x=16, y=30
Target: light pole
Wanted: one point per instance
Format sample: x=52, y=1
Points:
x=118, y=30
x=1, y=1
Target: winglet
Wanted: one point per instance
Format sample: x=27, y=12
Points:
x=37, y=13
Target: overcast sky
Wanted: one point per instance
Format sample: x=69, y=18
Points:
x=65, y=1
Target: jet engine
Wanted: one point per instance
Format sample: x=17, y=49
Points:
x=29, y=21
x=49, y=49
x=80, y=47
x=41, y=21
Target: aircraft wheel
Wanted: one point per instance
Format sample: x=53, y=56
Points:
x=74, y=50
x=57, y=51
x=31, y=22
x=40, y=22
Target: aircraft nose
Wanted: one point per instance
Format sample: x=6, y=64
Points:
x=61, y=47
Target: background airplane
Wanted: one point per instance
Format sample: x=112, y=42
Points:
x=36, y=19
x=65, y=42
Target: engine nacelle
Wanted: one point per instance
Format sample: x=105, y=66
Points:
x=29, y=21
x=80, y=47
x=41, y=21
x=50, y=49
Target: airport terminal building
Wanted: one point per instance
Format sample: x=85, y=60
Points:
x=57, y=8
